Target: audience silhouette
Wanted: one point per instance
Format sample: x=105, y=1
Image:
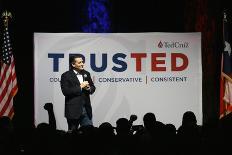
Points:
x=189, y=134
x=153, y=137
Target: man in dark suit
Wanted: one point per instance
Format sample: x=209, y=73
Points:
x=77, y=85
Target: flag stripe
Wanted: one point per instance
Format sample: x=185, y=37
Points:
x=6, y=109
x=222, y=107
x=3, y=73
x=5, y=95
x=9, y=92
x=6, y=102
x=6, y=85
x=11, y=113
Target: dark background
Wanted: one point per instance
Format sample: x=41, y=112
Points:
x=125, y=16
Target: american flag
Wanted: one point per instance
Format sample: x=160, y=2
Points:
x=226, y=73
x=8, y=80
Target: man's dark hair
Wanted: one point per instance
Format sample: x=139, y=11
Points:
x=72, y=58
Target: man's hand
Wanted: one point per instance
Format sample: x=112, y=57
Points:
x=84, y=85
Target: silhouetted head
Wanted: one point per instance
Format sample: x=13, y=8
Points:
x=123, y=126
x=171, y=129
x=106, y=129
x=149, y=120
x=189, y=118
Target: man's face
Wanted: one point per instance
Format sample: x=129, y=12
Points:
x=79, y=64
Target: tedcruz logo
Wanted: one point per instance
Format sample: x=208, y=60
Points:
x=160, y=45
x=172, y=44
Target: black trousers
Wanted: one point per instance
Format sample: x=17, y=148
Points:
x=84, y=120
x=73, y=124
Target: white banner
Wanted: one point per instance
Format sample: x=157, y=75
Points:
x=134, y=73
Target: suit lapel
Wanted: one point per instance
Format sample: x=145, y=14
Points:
x=74, y=76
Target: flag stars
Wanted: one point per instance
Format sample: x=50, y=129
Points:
x=6, y=48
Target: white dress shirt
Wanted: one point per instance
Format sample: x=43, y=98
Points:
x=79, y=76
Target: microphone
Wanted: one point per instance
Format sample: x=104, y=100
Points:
x=85, y=79
x=133, y=118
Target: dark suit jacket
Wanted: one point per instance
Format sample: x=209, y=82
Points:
x=75, y=98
